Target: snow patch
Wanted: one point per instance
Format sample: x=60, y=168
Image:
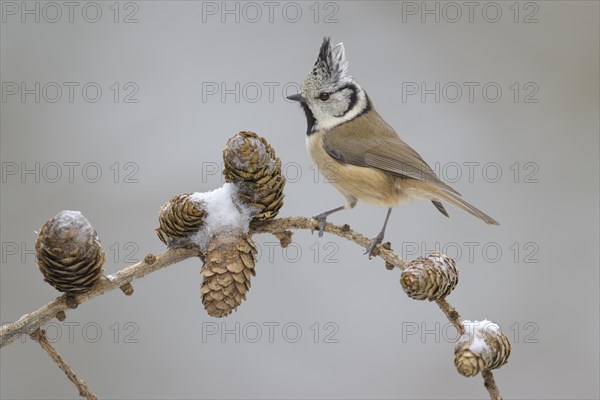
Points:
x=476, y=331
x=74, y=225
x=224, y=214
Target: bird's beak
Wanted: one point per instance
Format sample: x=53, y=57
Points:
x=297, y=97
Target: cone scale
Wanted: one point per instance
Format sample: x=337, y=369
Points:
x=230, y=263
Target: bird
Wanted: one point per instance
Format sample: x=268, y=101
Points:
x=359, y=152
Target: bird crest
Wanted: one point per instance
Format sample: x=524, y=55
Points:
x=330, y=69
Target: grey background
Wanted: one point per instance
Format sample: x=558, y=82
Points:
x=545, y=297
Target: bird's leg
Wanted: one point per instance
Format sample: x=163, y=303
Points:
x=323, y=217
x=379, y=238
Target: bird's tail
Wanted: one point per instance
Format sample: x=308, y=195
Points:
x=457, y=201
x=436, y=193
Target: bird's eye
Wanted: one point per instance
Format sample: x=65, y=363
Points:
x=324, y=96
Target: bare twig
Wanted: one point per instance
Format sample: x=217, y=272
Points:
x=490, y=385
x=277, y=227
x=84, y=391
x=344, y=231
x=29, y=323
x=452, y=315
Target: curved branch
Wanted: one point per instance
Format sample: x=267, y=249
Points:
x=276, y=226
x=29, y=323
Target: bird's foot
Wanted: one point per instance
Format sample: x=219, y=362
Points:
x=322, y=218
x=372, y=250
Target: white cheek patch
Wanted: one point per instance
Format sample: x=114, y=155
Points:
x=326, y=121
x=343, y=102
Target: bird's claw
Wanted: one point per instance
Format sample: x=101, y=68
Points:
x=371, y=250
x=322, y=218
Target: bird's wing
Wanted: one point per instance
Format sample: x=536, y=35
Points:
x=355, y=143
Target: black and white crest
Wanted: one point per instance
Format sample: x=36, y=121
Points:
x=331, y=65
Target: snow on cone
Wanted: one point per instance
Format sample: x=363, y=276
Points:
x=429, y=278
x=482, y=347
x=252, y=165
x=230, y=261
x=69, y=253
x=180, y=218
